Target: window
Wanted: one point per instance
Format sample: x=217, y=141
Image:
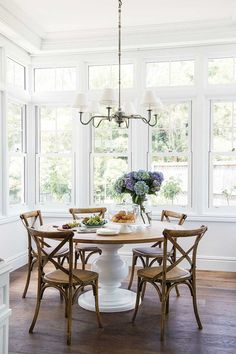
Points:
x=109, y=160
x=222, y=71
x=55, y=158
x=223, y=153
x=171, y=153
x=54, y=79
x=15, y=74
x=16, y=152
x=106, y=76
x=172, y=73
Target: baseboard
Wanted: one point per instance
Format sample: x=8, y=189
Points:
x=17, y=261
x=217, y=263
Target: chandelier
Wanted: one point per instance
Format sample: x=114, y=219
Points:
x=108, y=99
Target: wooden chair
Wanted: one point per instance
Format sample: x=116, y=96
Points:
x=30, y=220
x=167, y=276
x=67, y=281
x=153, y=252
x=85, y=251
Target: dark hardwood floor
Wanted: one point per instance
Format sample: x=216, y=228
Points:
x=217, y=308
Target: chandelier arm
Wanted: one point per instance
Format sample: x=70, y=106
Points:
x=98, y=124
x=91, y=119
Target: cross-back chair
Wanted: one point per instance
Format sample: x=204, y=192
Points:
x=32, y=219
x=170, y=274
x=67, y=281
x=85, y=251
x=155, y=252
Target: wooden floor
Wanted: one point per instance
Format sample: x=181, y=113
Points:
x=217, y=308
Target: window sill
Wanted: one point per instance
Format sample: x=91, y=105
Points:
x=8, y=219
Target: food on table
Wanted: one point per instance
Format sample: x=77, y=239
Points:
x=94, y=221
x=70, y=225
x=124, y=217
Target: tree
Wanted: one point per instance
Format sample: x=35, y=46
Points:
x=171, y=189
x=227, y=193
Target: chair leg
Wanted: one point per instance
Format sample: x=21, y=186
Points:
x=177, y=290
x=69, y=314
x=134, y=261
x=145, y=284
x=163, y=315
x=38, y=303
x=95, y=293
x=139, y=289
x=30, y=267
x=194, y=296
x=76, y=258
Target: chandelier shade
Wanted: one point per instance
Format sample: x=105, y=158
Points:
x=120, y=113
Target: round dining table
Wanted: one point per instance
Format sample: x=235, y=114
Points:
x=110, y=266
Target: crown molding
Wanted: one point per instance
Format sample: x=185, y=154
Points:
x=138, y=37
x=19, y=28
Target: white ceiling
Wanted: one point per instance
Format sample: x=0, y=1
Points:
x=73, y=15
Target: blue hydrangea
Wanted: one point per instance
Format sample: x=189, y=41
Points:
x=129, y=184
x=141, y=175
x=141, y=188
x=119, y=184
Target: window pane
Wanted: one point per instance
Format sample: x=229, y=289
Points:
x=221, y=71
x=15, y=74
x=175, y=187
x=224, y=182
x=106, y=76
x=182, y=73
x=110, y=138
x=106, y=170
x=55, y=79
x=15, y=127
x=158, y=74
x=56, y=129
x=222, y=115
x=176, y=73
x=16, y=180
x=171, y=133
x=55, y=179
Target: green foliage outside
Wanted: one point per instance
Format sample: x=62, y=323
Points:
x=171, y=189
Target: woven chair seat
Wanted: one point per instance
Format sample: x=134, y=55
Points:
x=174, y=274
x=86, y=247
x=149, y=251
x=58, y=276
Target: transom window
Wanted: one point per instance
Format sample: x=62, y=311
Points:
x=171, y=153
x=54, y=79
x=170, y=73
x=15, y=74
x=223, y=153
x=55, y=157
x=106, y=76
x=222, y=71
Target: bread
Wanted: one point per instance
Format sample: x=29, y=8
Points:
x=124, y=217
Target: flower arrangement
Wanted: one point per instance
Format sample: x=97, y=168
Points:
x=138, y=184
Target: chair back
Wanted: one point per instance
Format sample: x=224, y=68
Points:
x=62, y=238
x=187, y=253
x=76, y=212
x=30, y=220
x=168, y=215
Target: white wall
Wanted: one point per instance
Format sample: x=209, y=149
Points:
x=13, y=243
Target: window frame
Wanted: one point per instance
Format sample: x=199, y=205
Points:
x=212, y=153
x=39, y=155
x=188, y=155
x=23, y=154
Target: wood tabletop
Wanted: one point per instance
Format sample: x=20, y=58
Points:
x=152, y=233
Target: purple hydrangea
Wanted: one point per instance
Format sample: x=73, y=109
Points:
x=139, y=183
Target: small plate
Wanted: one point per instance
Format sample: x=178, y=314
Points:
x=107, y=232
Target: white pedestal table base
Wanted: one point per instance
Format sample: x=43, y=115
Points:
x=112, y=271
